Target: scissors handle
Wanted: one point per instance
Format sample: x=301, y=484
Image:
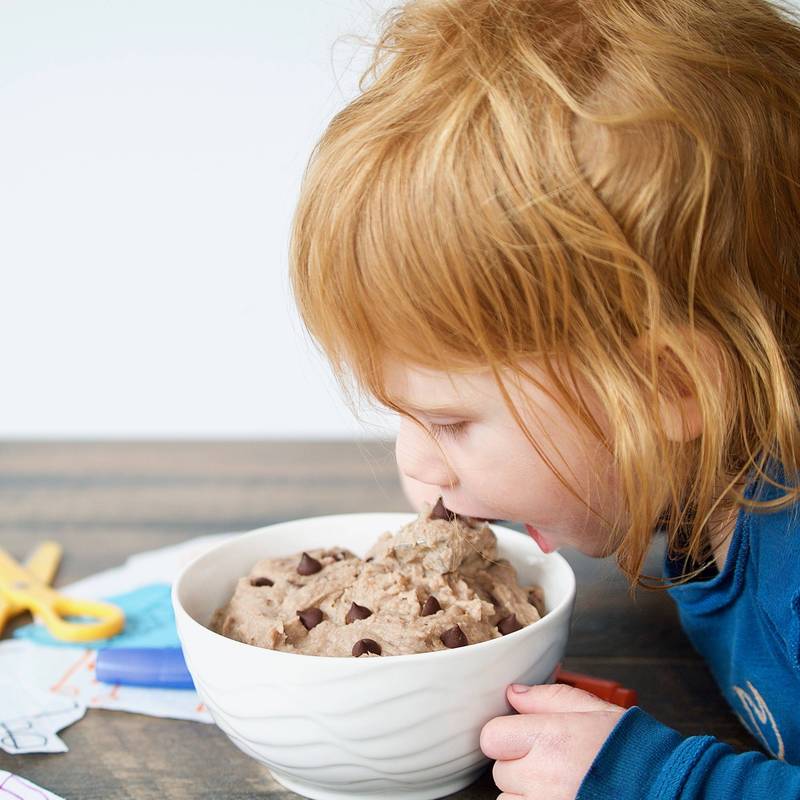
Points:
x=23, y=590
x=52, y=607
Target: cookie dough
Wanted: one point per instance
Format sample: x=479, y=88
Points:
x=434, y=584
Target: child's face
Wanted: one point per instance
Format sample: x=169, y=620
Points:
x=494, y=472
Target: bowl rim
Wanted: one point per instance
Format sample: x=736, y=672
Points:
x=548, y=620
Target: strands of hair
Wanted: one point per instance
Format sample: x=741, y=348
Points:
x=610, y=187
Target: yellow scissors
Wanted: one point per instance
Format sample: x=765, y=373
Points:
x=26, y=588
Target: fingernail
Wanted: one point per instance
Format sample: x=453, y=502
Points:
x=519, y=688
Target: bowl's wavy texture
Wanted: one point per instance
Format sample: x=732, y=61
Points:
x=389, y=727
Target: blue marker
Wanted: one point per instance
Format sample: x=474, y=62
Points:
x=156, y=667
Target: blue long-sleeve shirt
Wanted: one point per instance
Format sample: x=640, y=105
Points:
x=745, y=622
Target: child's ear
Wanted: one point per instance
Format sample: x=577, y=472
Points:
x=679, y=408
x=681, y=418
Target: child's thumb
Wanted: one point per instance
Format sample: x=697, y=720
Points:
x=553, y=698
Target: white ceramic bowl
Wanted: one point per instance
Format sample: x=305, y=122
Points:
x=391, y=727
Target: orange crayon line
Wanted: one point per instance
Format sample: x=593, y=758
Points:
x=65, y=677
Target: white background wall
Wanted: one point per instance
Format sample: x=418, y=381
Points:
x=150, y=158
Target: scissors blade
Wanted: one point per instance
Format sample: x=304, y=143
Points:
x=42, y=564
x=44, y=560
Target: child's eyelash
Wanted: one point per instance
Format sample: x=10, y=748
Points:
x=453, y=429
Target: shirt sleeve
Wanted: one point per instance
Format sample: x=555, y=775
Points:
x=646, y=760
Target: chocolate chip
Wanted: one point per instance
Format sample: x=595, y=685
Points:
x=440, y=512
x=454, y=637
x=366, y=646
x=308, y=565
x=357, y=612
x=369, y=559
x=261, y=582
x=430, y=606
x=310, y=618
x=509, y=624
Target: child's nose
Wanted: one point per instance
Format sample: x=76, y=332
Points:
x=419, y=457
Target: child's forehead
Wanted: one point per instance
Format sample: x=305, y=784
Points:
x=417, y=388
x=442, y=391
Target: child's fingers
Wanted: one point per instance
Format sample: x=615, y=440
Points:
x=512, y=737
x=513, y=779
x=554, y=698
x=506, y=738
x=518, y=779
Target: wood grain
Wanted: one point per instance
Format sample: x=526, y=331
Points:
x=107, y=500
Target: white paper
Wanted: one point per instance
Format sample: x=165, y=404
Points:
x=30, y=717
x=12, y=787
x=67, y=674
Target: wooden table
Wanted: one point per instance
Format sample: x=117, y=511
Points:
x=107, y=500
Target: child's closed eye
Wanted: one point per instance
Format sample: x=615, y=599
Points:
x=452, y=429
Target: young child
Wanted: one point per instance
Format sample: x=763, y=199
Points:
x=561, y=238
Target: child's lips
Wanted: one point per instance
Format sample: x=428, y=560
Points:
x=546, y=547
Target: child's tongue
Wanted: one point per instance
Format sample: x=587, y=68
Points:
x=539, y=539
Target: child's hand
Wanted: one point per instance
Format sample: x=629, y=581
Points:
x=546, y=750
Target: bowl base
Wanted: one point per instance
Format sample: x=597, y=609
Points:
x=429, y=791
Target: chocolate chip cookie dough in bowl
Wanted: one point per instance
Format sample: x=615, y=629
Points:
x=360, y=724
